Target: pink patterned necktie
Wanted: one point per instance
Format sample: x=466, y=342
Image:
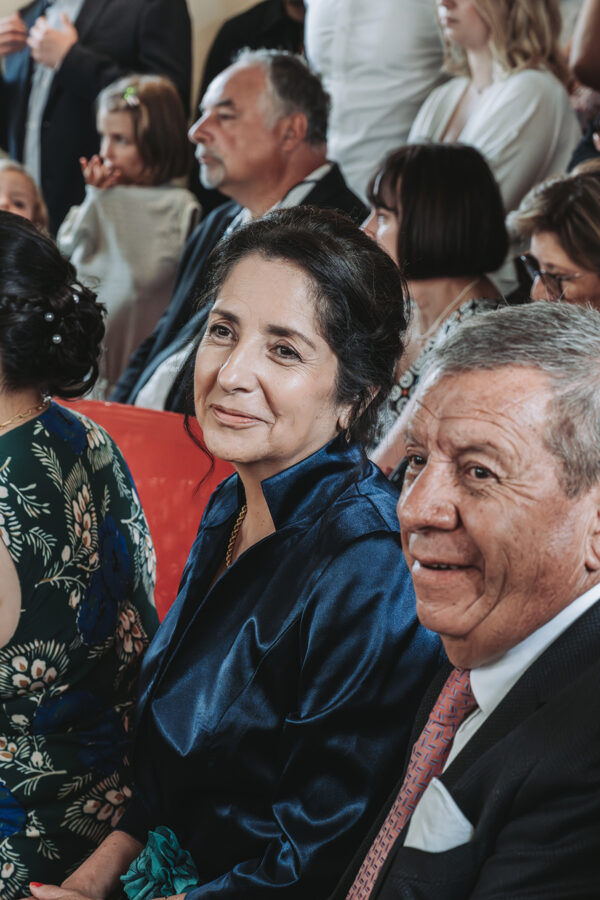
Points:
x=427, y=759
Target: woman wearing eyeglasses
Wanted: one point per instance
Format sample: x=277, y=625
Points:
x=561, y=219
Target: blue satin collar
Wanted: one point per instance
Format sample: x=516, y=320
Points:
x=304, y=490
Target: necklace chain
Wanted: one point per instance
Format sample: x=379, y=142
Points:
x=23, y=415
x=234, y=534
x=445, y=313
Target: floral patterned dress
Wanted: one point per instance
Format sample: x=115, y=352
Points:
x=73, y=525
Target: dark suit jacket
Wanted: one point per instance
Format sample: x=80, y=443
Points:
x=265, y=25
x=179, y=323
x=528, y=781
x=115, y=37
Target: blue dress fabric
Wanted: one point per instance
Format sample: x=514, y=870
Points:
x=275, y=706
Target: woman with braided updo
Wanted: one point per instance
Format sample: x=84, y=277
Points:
x=76, y=575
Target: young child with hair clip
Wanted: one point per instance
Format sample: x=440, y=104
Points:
x=126, y=238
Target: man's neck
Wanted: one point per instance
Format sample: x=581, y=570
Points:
x=260, y=198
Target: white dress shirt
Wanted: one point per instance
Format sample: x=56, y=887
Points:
x=41, y=81
x=437, y=824
x=379, y=61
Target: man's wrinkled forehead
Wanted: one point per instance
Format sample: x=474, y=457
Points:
x=238, y=88
x=498, y=397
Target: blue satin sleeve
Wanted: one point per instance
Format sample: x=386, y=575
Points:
x=363, y=664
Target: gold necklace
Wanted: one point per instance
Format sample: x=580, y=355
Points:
x=234, y=534
x=23, y=415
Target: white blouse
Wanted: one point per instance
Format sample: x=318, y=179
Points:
x=525, y=127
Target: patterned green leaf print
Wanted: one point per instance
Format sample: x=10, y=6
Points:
x=42, y=542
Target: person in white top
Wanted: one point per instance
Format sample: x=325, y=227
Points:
x=127, y=237
x=508, y=98
x=379, y=61
x=500, y=523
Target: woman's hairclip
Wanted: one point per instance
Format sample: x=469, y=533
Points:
x=130, y=96
x=50, y=317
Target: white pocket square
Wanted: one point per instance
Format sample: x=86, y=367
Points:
x=437, y=823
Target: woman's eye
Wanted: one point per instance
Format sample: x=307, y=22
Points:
x=218, y=330
x=284, y=351
x=415, y=461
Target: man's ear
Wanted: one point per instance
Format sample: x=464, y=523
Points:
x=592, y=555
x=293, y=130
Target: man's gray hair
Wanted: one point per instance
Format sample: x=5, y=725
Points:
x=562, y=340
x=294, y=88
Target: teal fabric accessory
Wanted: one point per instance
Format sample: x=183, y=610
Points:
x=162, y=869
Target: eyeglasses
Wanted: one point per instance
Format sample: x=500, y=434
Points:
x=553, y=283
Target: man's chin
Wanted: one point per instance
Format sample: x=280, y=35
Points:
x=210, y=180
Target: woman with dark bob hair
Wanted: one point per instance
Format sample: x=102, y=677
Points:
x=76, y=575
x=278, y=694
x=437, y=211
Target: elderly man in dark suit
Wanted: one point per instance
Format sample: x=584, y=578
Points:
x=58, y=55
x=261, y=139
x=500, y=518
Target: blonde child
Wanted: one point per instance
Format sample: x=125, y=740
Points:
x=19, y=194
x=126, y=238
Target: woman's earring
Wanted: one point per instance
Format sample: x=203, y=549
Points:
x=343, y=425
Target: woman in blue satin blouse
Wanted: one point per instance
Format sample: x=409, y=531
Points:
x=277, y=697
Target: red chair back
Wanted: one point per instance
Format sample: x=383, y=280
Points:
x=166, y=467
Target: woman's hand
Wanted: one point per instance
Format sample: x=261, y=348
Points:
x=55, y=892
x=99, y=876
x=98, y=173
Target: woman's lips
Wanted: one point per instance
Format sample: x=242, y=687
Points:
x=233, y=416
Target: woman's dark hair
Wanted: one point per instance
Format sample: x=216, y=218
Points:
x=449, y=209
x=358, y=292
x=51, y=325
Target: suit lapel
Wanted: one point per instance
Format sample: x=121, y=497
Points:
x=88, y=14
x=21, y=70
x=563, y=661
